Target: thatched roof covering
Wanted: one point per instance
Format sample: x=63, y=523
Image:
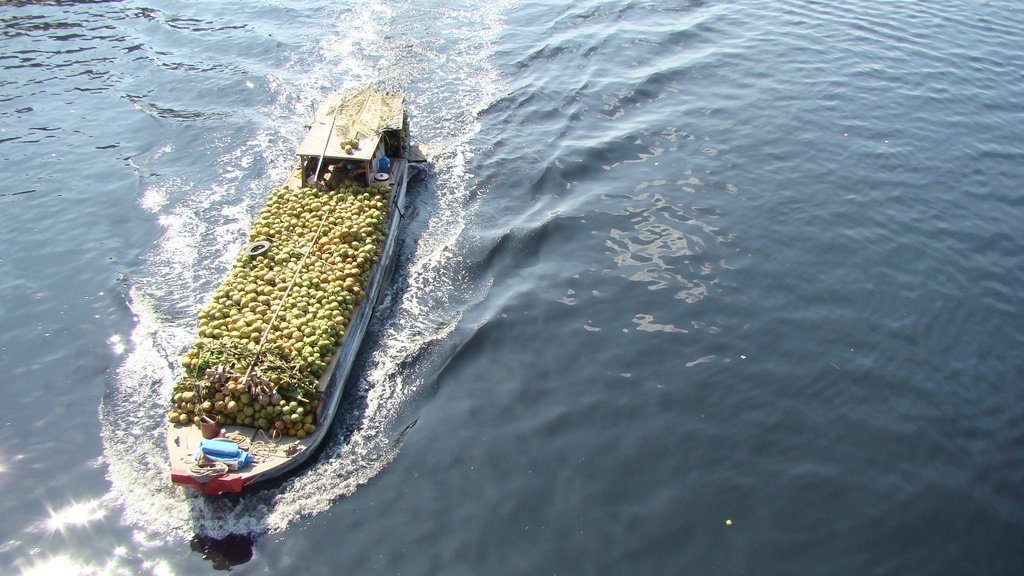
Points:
x=359, y=116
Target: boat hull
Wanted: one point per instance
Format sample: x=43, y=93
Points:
x=277, y=457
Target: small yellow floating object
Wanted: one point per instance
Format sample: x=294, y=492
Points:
x=728, y=522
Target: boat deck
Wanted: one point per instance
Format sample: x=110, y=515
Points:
x=183, y=445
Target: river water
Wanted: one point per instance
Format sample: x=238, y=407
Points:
x=687, y=288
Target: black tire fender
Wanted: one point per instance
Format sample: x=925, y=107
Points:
x=257, y=248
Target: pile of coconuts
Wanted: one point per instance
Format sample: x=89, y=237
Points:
x=273, y=325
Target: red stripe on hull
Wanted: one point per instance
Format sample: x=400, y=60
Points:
x=228, y=483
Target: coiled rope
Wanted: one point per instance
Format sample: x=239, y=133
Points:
x=204, y=470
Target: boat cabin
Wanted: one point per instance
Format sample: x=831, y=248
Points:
x=353, y=139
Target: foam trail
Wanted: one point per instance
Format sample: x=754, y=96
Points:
x=200, y=242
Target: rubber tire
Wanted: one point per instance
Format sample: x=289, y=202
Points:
x=258, y=248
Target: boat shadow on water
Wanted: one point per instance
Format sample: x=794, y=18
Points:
x=224, y=553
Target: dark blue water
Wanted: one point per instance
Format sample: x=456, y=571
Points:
x=688, y=288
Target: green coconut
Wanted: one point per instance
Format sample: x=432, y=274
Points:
x=296, y=330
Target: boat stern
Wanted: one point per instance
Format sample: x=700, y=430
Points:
x=227, y=484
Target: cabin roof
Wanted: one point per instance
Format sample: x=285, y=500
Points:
x=360, y=116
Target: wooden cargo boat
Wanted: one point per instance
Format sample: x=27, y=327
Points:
x=357, y=144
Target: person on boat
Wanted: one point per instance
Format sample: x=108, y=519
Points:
x=356, y=172
x=313, y=177
x=310, y=172
x=334, y=177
